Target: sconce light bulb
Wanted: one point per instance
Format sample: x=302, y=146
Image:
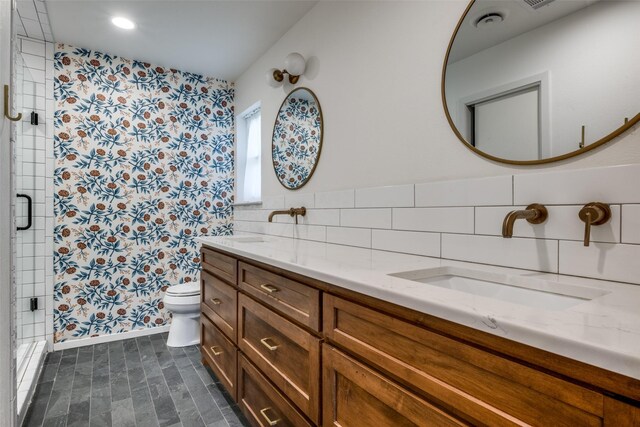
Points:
x=294, y=63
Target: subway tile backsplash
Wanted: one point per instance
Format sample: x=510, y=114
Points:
x=462, y=220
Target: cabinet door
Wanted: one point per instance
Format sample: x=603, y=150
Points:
x=354, y=395
x=220, y=304
x=477, y=385
x=221, y=265
x=293, y=299
x=620, y=414
x=220, y=354
x=262, y=403
x=287, y=354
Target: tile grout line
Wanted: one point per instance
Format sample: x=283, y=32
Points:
x=146, y=382
x=126, y=369
x=164, y=378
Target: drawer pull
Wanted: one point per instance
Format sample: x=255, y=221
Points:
x=266, y=417
x=271, y=347
x=214, y=351
x=269, y=288
x=215, y=301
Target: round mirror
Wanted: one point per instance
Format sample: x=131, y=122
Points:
x=297, y=138
x=535, y=81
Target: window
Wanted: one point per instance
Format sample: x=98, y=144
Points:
x=248, y=179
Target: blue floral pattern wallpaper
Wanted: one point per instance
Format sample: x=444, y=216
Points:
x=144, y=165
x=297, y=138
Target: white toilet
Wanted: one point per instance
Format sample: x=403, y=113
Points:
x=183, y=301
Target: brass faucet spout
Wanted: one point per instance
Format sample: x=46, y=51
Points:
x=274, y=213
x=293, y=212
x=534, y=214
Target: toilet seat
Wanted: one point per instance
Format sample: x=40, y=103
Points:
x=184, y=290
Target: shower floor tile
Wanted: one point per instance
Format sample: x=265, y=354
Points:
x=137, y=382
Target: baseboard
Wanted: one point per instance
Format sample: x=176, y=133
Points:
x=109, y=338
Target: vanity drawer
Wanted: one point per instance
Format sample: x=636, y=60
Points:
x=220, y=354
x=262, y=403
x=296, y=300
x=220, y=304
x=475, y=384
x=287, y=354
x=355, y=395
x=223, y=266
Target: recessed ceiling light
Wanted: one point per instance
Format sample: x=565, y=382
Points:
x=124, y=23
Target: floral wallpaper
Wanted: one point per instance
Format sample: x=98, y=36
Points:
x=144, y=165
x=297, y=138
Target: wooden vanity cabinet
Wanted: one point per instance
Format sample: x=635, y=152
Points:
x=310, y=353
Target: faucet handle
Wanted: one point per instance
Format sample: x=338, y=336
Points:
x=594, y=213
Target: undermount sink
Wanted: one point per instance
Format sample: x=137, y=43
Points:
x=527, y=291
x=247, y=239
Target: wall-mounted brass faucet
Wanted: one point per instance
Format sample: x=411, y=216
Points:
x=594, y=213
x=293, y=212
x=534, y=214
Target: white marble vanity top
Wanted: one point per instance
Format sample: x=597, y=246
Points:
x=603, y=331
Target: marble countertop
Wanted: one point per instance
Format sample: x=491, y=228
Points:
x=603, y=331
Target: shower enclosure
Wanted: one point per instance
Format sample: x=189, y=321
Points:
x=30, y=236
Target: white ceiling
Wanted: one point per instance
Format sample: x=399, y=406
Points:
x=217, y=38
x=519, y=18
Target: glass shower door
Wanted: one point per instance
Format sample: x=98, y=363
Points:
x=30, y=234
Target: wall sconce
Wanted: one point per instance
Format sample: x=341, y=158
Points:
x=294, y=65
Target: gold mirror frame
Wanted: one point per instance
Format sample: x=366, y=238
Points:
x=315, y=165
x=622, y=129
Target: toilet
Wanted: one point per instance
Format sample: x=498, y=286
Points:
x=183, y=301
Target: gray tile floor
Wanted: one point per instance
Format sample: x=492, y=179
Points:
x=136, y=382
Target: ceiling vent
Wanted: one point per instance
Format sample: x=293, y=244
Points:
x=537, y=4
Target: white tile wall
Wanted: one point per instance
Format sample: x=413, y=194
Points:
x=34, y=176
x=349, y=236
x=530, y=254
x=449, y=220
x=396, y=196
x=631, y=224
x=365, y=218
x=601, y=260
x=336, y=199
x=609, y=185
x=472, y=192
x=462, y=220
x=410, y=242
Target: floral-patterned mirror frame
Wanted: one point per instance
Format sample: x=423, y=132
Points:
x=297, y=139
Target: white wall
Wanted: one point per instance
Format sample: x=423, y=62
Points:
x=376, y=69
x=592, y=75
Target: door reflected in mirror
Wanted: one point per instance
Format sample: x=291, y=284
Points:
x=533, y=81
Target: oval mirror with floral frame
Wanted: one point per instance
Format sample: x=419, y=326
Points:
x=297, y=138
x=531, y=82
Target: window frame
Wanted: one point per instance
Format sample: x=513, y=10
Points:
x=241, y=155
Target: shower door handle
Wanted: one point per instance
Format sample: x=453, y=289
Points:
x=29, y=211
